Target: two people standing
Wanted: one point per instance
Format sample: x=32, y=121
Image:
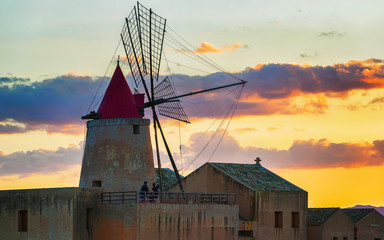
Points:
x=145, y=194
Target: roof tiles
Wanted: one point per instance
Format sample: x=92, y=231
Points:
x=255, y=177
x=317, y=216
x=357, y=214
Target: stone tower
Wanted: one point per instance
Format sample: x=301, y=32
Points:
x=118, y=152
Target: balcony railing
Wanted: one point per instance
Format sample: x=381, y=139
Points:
x=168, y=198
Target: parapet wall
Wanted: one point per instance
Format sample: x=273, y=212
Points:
x=47, y=213
x=167, y=221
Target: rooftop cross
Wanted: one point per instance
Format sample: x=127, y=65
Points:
x=258, y=160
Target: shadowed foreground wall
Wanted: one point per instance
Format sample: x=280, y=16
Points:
x=167, y=221
x=57, y=213
x=77, y=213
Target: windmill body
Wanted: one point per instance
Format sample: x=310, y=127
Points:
x=118, y=152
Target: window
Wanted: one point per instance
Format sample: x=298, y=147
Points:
x=89, y=222
x=345, y=238
x=96, y=183
x=23, y=221
x=295, y=219
x=334, y=238
x=136, y=129
x=377, y=238
x=278, y=219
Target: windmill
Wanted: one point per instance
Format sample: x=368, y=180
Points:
x=143, y=37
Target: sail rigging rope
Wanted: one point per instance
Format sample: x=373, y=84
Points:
x=101, y=82
x=225, y=131
x=233, y=106
x=200, y=56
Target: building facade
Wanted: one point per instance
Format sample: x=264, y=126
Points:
x=269, y=206
x=368, y=223
x=329, y=223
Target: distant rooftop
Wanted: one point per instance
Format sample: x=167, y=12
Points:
x=255, y=177
x=357, y=214
x=168, y=178
x=317, y=216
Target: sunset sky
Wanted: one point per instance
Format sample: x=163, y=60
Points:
x=312, y=109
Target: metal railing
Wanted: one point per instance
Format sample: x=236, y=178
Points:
x=168, y=198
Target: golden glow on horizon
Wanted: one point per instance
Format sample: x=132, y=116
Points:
x=339, y=187
x=36, y=140
x=67, y=178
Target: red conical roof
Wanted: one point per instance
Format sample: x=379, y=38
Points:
x=118, y=101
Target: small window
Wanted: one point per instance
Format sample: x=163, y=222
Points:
x=23, y=221
x=278, y=219
x=345, y=238
x=295, y=219
x=334, y=238
x=377, y=238
x=136, y=129
x=89, y=222
x=96, y=183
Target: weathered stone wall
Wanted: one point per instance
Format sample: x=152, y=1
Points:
x=167, y=221
x=56, y=213
x=209, y=180
x=371, y=226
x=267, y=203
x=85, y=199
x=116, y=156
x=256, y=209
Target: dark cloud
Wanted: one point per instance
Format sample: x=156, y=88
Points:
x=51, y=104
x=302, y=154
x=56, y=105
x=376, y=100
x=373, y=61
x=9, y=129
x=273, y=81
x=304, y=55
x=13, y=80
x=39, y=161
x=332, y=34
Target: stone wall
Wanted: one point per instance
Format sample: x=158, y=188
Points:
x=256, y=209
x=167, y=221
x=49, y=212
x=117, y=155
x=371, y=226
x=267, y=203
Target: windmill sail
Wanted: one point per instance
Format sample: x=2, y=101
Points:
x=171, y=109
x=143, y=36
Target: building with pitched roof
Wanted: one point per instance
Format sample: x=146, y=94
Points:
x=270, y=207
x=368, y=223
x=329, y=223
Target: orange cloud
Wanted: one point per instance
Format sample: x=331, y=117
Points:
x=209, y=48
x=246, y=130
x=303, y=154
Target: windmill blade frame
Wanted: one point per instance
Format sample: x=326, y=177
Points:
x=143, y=37
x=143, y=43
x=171, y=109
